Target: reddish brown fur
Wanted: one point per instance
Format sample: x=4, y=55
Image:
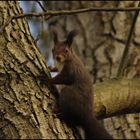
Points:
x=76, y=98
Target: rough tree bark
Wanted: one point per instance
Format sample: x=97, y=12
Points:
x=25, y=106
x=101, y=40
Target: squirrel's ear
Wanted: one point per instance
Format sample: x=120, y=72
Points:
x=55, y=37
x=70, y=37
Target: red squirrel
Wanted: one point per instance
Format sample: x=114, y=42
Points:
x=76, y=97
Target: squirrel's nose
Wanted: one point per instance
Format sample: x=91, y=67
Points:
x=58, y=58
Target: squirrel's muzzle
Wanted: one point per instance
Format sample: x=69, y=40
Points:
x=59, y=58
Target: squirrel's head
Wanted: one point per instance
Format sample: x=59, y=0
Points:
x=62, y=49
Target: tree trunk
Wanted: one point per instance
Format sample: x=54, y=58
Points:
x=25, y=104
x=100, y=43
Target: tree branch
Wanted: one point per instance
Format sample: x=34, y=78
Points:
x=41, y=6
x=50, y=13
x=77, y=11
x=117, y=97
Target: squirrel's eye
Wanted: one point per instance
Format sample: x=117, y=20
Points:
x=66, y=50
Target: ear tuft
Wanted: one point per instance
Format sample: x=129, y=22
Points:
x=55, y=36
x=70, y=37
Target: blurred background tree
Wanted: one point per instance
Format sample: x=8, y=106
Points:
x=100, y=44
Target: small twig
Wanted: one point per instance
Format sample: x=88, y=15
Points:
x=41, y=6
x=37, y=38
x=42, y=28
x=48, y=17
x=127, y=46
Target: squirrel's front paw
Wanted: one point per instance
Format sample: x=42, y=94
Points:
x=57, y=111
x=52, y=69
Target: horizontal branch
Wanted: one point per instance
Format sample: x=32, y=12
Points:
x=77, y=11
x=117, y=97
x=52, y=13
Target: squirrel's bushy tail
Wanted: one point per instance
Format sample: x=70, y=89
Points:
x=95, y=130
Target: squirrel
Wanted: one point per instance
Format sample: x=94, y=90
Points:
x=76, y=97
